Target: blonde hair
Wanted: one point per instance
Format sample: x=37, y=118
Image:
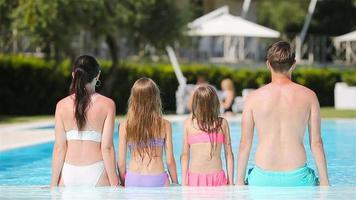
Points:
x=144, y=116
x=228, y=84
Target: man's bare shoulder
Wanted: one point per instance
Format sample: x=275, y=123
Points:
x=258, y=92
x=269, y=90
x=302, y=90
x=262, y=89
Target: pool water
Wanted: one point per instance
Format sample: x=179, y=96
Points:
x=31, y=166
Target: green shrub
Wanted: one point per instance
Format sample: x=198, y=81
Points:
x=30, y=86
x=349, y=77
x=321, y=81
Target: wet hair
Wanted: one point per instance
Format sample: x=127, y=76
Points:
x=206, y=111
x=144, y=117
x=281, y=56
x=85, y=69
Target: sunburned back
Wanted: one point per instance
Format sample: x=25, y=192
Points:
x=281, y=113
x=84, y=152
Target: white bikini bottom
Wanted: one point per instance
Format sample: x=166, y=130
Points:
x=87, y=175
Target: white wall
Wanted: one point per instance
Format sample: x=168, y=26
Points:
x=345, y=96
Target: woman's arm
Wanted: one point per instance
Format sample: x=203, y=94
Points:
x=228, y=99
x=122, y=152
x=184, y=158
x=247, y=126
x=170, y=161
x=59, y=149
x=316, y=143
x=107, y=146
x=229, y=156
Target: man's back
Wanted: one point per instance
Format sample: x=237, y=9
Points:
x=281, y=112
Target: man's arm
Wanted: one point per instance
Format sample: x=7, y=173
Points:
x=247, y=125
x=316, y=142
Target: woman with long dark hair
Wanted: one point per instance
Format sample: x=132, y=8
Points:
x=83, y=153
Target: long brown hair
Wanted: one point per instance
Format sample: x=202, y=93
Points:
x=206, y=111
x=85, y=69
x=144, y=116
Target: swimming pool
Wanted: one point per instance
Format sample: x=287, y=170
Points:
x=31, y=166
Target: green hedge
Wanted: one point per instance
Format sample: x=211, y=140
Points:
x=30, y=86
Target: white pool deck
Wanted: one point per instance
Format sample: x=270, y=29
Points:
x=23, y=134
x=224, y=192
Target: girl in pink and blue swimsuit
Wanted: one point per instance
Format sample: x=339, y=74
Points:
x=205, y=134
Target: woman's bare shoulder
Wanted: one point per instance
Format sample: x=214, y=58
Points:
x=104, y=103
x=65, y=102
x=105, y=100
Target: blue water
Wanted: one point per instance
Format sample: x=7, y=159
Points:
x=31, y=165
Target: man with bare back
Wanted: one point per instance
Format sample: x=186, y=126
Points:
x=281, y=111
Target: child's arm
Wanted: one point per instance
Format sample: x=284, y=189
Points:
x=170, y=161
x=184, y=158
x=122, y=152
x=59, y=149
x=316, y=143
x=229, y=156
x=247, y=126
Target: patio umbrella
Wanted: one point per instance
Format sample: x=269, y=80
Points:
x=227, y=25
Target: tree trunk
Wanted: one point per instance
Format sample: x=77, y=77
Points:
x=114, y=51
x=47, y=51
x=57, y=56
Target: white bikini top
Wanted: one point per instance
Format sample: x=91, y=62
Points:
x=83, y=135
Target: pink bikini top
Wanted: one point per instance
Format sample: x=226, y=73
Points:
x=206, y=137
